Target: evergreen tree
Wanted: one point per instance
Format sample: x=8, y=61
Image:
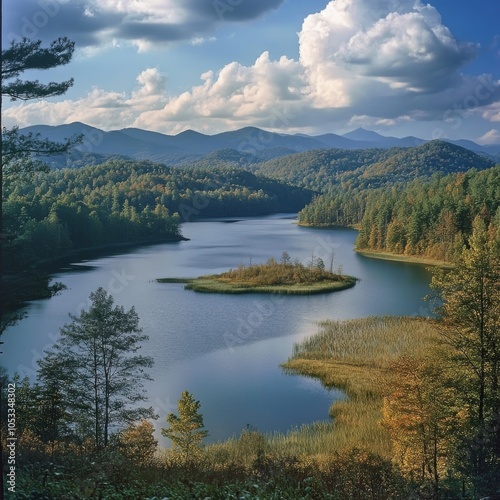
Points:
x=186, y=430
x=52, y=419
x=18, y=149
x=29, y=55
x=22, y=56
x=470, y=296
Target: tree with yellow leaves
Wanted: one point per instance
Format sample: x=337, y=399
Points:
x=469, y=296
x=419, y=412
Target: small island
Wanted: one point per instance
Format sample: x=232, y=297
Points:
x=283, y=277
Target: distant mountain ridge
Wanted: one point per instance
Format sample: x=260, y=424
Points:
x=253, y=144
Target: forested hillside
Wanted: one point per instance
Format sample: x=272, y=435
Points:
x=369, y=168
x=430, y=218
x=126, y=201
x=322, y=168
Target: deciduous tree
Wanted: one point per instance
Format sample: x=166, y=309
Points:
x=419, y=411
x=101, y=374
x=137, y=442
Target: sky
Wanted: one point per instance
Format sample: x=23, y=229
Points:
x=399, y=67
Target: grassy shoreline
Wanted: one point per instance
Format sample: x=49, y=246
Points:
x=410, y=259
x=355, y=356
x=212, y=284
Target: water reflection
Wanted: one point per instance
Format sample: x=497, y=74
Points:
x=225, y=349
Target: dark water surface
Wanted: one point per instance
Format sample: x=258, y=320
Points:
x=225, y=349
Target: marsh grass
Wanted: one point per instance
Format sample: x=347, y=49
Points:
x=374, y=342
x=354, y=356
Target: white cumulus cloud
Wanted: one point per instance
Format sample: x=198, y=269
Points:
x=363, y=61
x=355, y=50
x=491, y=137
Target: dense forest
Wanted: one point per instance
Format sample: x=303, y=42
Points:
x=321, y=170
x=125, y=201
x=430, y=218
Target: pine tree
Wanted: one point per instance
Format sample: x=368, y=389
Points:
x=186, y=430
x=26, y=55
x=18, y=149
x=29, y=55
x=470, y=309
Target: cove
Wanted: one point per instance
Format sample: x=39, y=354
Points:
x=225, y=349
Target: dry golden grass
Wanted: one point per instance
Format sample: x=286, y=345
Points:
x=354, y=356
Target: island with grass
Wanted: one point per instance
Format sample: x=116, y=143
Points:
x=283, y=277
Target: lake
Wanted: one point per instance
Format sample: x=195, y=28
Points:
x=225, y=349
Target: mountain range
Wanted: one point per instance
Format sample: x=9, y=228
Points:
x=248, y=144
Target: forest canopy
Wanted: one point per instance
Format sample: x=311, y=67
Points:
x=122, y=201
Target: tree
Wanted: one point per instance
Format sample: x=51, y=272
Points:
x=18, y=150
x=285, y=258
x=29, y=55
x=52, y=420
x=320, y=264
x=100, y=373
x=26, y=55
x=419, y=412
x=137, y=442
x=186, y=429
x=470, y=310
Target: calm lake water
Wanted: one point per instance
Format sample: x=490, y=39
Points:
x=225, y=349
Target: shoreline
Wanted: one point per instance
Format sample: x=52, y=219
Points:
x=44, y=269
x=409, y=259
x=107, y=248
x=377, y=254
x=209, y=284
x=363, y=374
x=327, y=226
